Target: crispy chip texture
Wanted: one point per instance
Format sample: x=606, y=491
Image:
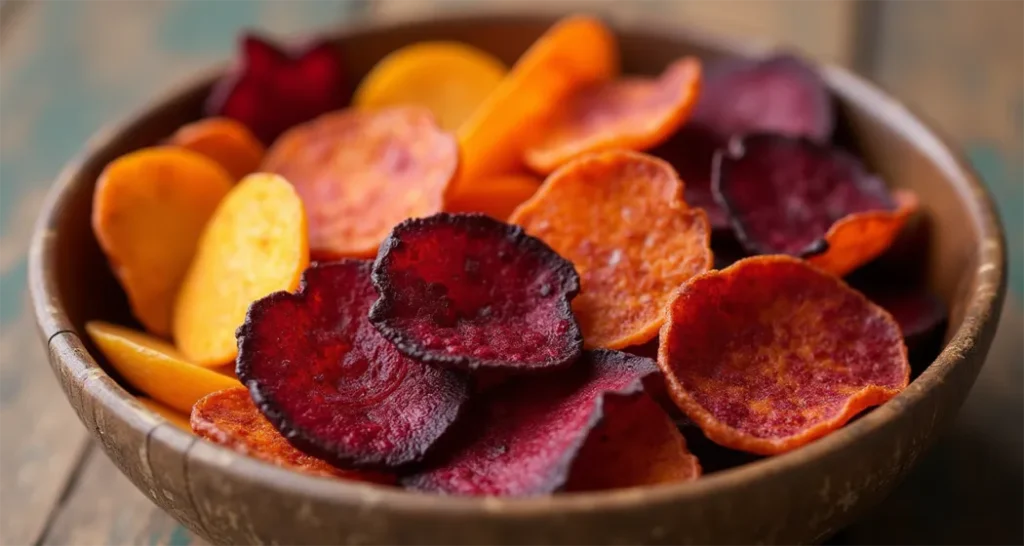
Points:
x=576, y=52
x=772, y=353
x=620, y=218
x=628, y=114
x=273, y=88
x=522, y=437
x=793, y=196
x=330, y=383
x=636, y=444
x=691, y=151
x=149, y=209
x=470, y=292
x=921, y=315
x=226, y=141
x=778, y=94
x=229, y=418
x=361, y=172
x=451, y=79
x=255, y=244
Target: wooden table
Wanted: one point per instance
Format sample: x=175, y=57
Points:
x=66, y=68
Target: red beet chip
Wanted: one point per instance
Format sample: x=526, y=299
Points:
x=785, y=195
x=691, y=152
x=779, y=94
x=271, y=89
x=772, y=353
x=470, y=292
x=522, y=438
x=331, y=384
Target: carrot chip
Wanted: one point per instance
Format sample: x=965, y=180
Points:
x=470, y=292
x=630, y=114
x=226, y=141
x=229, y=418
x=772, y=353
x=620, y=218
x=331, y=384
x=361, y=172
x=793, y=196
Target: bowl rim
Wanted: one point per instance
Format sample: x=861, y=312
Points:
x=984, y=297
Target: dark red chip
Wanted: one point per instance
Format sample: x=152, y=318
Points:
x=470, y=292
x=523, y=437
x=320, y=372
x=920, y=314
x=690, y=152
x=784, y=194
x=272, y=89
x=779, y=94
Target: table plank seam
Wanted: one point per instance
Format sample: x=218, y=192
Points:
x=87, y=451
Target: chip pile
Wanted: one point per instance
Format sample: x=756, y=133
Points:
x=483, y=280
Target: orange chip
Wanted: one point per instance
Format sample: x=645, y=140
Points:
x=255, y=244
x=576, y=52
x=172, y=415
x=361, y=172
x=230, y=418
x=620, y=218
x=496, y=197
x=226, y=141
x=635, y=444
x=772, y=353
x=860, y=237
x=154, y=367
x=149, y=209
x=630, y=114
x=449, y=78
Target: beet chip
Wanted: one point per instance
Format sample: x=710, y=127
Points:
x=772, y=353
x=230, y=418
x=331, y=384
x=620, y=218
x=792, y=196
x=361, y=172
x=779, y=94
x=630, y=114
x=691, y=152
x=470, y=292
x=636, y=444
x=271, y=89
x=521, y=439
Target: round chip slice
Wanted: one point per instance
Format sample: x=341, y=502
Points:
x=331, y=384
x=229, y=418
x=793, y=196
x=359, y=173
x=620, y=218
x=470, y=292
x=772, y=353
x=226, y=141
x=629, y=114
x=450, y=79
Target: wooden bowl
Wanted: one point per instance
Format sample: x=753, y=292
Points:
x=799, y=497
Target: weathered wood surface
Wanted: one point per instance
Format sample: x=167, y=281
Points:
x=66, y=68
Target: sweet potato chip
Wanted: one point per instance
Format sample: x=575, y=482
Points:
x=920, y=314
x=272, y=88
x=360, y=173
x=149, y=209
x=793, y=196
x=629, y=114
x=331, y=384
x=636, y=444
x=226, y=141
x=173, y=416
x=772, y=353
x=496, y=197
x=229, y=418
x=691, y=152
x=778, y=94
x=450, y=79
x=154, y=367
x=255, y=244
x=470, y=292
x=522, y=438
x=576, y=52
x=620, y=218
